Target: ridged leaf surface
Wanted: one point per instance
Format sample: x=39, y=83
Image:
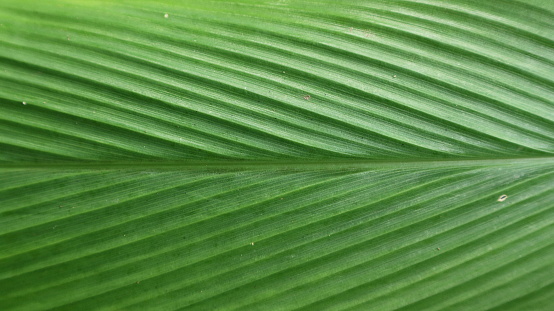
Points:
x=276, y=155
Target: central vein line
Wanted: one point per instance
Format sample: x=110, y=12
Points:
x=300, y=164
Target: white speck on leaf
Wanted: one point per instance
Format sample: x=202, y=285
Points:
x=166, y=15
x=24, y=103
x=502, y=198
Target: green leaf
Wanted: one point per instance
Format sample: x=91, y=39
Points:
x=276, y=155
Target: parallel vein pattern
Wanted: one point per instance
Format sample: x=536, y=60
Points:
x=250, y=240
x=375, y=79
x=276, y=155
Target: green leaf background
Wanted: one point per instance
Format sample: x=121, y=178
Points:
x=277, y=155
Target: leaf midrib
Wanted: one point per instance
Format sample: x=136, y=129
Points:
x=292, y=164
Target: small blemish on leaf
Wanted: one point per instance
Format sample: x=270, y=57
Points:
x=166, y=15
x=24, y=103
x=307, y=97
x=502, y=198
